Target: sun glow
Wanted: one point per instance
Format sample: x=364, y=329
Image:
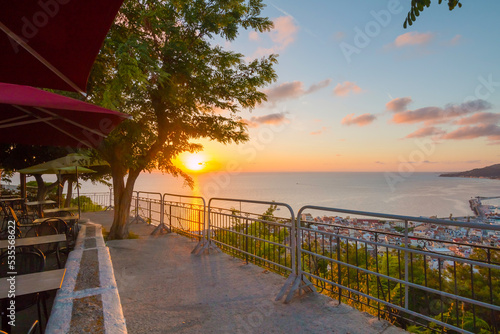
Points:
x=193, y=161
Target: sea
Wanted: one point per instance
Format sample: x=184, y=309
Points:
x=415, y=194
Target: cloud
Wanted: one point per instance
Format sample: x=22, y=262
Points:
x=426, y=132
x=491, y=131
x=272, y=119
x=380, y=162
x=455, y=40
x=282, y=35
x=253, y=36
x=292, y=89
x=318, y=86
x=323, y=129
x=361, y=120
x=412, y=38
x=339, y=35
x=481, y=117
x=398, y=104
x=432, y=115
x=345, y=88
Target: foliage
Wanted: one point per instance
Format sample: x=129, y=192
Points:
x=417, y=6
x=259, y=237
x=160, y=64
x=454, y=279
x=86, y=204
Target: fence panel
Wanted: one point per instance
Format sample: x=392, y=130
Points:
x=91, y=202
x=411, y=271
x=264, y=239
x=186, y=216
x=148, y=207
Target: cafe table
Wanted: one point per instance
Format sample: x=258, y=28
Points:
x=28, y=284
x=40, y=204
x=33, y=241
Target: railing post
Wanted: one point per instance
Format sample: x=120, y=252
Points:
x=149, y=211
x=161, y=226
x=407, y=294
x=246, y=240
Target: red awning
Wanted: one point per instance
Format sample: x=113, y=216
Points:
x=35, y=117
x=52, y=43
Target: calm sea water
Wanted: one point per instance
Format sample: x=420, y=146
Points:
x=419, y=194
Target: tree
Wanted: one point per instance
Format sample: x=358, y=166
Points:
x=14, y=157
x=161, y=64
x=417, y=6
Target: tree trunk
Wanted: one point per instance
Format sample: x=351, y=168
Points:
x=122, y=200
x=42, y=188
x=67, y=202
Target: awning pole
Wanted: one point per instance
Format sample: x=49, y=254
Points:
x=78, y=191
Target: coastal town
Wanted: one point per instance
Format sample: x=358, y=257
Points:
x=439, y=239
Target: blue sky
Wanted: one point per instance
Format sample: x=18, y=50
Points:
x=357, y=92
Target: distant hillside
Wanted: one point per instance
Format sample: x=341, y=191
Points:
x=490, y=172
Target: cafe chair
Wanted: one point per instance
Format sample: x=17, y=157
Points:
x=33, y=327
x=19, y=223
x=52, y=248
x=26, y=263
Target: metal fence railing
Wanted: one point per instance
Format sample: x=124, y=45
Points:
x=93, y=201
x=263, y=239
x=185, y=216
x=148, y=207
x=411, y=280
x=425, y=275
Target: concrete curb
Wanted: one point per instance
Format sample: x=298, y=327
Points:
x=61, y=315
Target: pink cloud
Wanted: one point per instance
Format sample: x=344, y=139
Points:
x=292, y=89
x=413, y=38
x=339, y=35
x=323, y=129
x=253, y=36
x=282, y=35
x=455, y=40
x=491, y=131
x=433, y=115
x=426, y=132
x=345, y=88
x=398, y=104
x=361, y=120
x=481, y=117
x=272, y=119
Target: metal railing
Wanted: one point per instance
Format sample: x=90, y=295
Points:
x=90, y=202
x=185, y=218
x=402, y=278
x=408, y=270
x=264, y=239
x=148, y=207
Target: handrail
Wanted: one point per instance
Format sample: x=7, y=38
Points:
x=184, y=214
x=292, y=247
x=338, y=257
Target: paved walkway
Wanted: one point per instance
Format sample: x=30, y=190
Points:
x=165, y=289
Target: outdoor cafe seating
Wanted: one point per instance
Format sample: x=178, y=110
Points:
x=42, y=245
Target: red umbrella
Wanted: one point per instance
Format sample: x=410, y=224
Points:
x=35, y=117
x=52, y=43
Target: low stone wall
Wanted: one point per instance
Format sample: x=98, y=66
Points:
x=88, y=301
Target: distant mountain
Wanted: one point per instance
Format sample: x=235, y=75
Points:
x=490, y=172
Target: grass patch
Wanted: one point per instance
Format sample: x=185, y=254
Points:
x=105, y=234
x=132, y=235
